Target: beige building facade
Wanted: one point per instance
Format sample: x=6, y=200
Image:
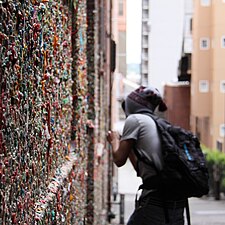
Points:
x=208, y=73
x=119, y=31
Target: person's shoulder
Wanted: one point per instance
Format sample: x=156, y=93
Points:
x=138, y=117
x=142, y=116
x=132, y=117
x=135, y=116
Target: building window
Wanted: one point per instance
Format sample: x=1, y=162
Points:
x=191, y=24
x=222, y=130
x=120, y=7
x=219, y=145
x=204, y=43
x=222, y=86
x=205, y=2
x=223, y=42
x=203, y=86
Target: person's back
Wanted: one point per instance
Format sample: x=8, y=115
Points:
x=143, y=130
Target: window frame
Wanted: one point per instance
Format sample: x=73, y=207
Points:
x=222, y=41
x=219, y=145
x=121, y=9
x=202, y=39
x=205, y=3
x=206, y=88
x=222, y=84
x=222, y=130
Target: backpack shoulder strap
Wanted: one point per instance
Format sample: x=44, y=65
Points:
x=162, y=124
x=188, y=212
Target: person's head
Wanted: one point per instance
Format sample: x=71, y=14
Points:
x=143, y=99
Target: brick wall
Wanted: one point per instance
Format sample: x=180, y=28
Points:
x=177, y=98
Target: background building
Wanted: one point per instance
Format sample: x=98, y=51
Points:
x=162, y=33
x=119, y=29
x=177, y=93
x=207, y=87
x=145, y=32
x=125, y=80
x=177, y=48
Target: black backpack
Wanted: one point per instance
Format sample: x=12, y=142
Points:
x=185, y=172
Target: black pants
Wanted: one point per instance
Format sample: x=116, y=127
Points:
x=152, y=210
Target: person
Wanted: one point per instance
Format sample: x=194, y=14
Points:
x=140, y=140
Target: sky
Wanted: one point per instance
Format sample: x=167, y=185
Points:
x=133, y=31
x=167, y=21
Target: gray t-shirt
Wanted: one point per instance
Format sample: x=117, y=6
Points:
x=143, y=130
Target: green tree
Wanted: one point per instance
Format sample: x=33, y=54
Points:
x=216, y=164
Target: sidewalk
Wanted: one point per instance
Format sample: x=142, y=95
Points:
x=207, y=211
x=204, y=211
x=128, y=209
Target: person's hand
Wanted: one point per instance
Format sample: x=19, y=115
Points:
x=112, y=136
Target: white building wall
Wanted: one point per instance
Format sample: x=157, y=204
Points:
x=165, y=41
x=188, y=14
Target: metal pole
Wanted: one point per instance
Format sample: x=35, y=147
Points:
x=121, y=208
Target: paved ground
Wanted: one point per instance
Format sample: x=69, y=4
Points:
x=205, y=211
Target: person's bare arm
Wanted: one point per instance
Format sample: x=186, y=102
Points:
x=120, y=150
x=133, y=159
